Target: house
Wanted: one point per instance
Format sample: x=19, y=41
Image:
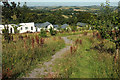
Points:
x=10, y=28
x=38, y=27
x=26, y=27
x=65, y=26
x=80, y=24
x=1, y=28
x=56, y=27
x=45, y=26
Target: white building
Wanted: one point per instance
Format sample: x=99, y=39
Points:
x=1, y=28
x=10, y=28
x=45, y=26
x=26, y=27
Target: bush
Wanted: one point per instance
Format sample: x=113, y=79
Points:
x=21, y=56
x=6, y=34
x=74, y=28
x=52, y=32
x=43, y=33
x=105, y=46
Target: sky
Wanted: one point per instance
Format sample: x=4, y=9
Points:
x=64, y=0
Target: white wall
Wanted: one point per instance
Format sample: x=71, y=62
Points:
x=23, y=27
x=38, y=29
x=10, y=28
x=49, y=26
x=1, y=28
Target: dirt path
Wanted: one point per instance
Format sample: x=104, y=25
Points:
x=47, y=69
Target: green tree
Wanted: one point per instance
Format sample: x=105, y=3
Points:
x=52, y=31
x=108, y=26
x=6, y=34
x=43, y=33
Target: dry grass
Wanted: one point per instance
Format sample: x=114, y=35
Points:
x=19, y=56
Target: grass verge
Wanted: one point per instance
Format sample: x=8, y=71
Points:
x=22, y=55
x=85, y=62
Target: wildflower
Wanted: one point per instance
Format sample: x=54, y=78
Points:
x=80, y=41
x=9, y=73
x=41, y=41
x=20, y=37
x=37, y=39
x=32, y=42
x=76, y=41
x=25, y=44
x=71, y=49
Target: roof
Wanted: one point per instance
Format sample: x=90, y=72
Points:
x=81, y=24
x=42, y=25
x=38, y=25
x=26, y=23
x=64, y=26
x=55, y=26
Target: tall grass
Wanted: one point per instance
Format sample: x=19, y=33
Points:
x=21, y=55
x=86, y=62
x=74, y=33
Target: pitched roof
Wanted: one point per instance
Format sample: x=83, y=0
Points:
x=42, y=25
x=81, y=24
x=55, y=26
x=64, y=26
x=38, y=25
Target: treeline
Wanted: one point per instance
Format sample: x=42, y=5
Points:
x=107, y=23
x=14, y=13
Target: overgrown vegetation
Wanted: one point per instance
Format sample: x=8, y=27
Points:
x=43, y=33
x=83, y=61
x=24, y=52
x=22, y=14
x=6, y=34
x=64, y=33
x=108, y=24
x=52, y=31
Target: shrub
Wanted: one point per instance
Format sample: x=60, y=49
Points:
x=74, y=28
x=105, y=46
x=15, y=29
x=43, y=33
x=6, y=34
x=21, y=57
x=52, y=31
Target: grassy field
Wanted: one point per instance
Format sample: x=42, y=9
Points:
x=84, y=60
x=22, y=54
x=73, y=33
x=88, y=57
x=0, y=56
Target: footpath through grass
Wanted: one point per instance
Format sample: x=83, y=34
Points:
x=23, y=54
x=84, y=61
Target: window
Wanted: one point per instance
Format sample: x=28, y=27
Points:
x=46, y=26
x=26, y=27
x=31, y=28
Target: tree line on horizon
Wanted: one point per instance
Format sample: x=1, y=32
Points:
x=23, y=14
